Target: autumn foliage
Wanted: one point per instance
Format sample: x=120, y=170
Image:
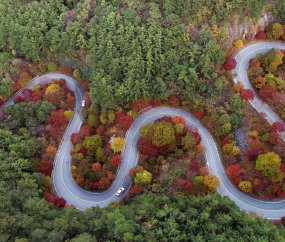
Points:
x=234, y=171
x=145, y=147
x=247, y=94
x=46, y=168
x=260, y=35
x=96, y=166
x=230, y=64
x=125, y=122
x=57, y=118
x=278, y=126
x=179, y=120
x=255, y=145
x=116, y=160
x=60, y=202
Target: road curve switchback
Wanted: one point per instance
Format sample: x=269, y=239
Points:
x=82, y=199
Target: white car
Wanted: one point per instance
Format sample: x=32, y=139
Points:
x=120, y=191
x=83, y=103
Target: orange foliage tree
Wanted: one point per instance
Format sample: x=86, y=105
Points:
x=96, y=166
x=179, y=120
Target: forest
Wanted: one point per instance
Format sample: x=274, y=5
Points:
x=129, y=55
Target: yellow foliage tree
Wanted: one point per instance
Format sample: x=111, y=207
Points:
x=245, y=186
x=238, y=43
x=52, y=88
x=143, y=178
x=118, y=144
x=68, y=114
x=270, y=164
x=212, y=182
x=230, y=149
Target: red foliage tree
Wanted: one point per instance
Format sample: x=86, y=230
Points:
x=260, y=35
x=194, y=166
x=104, y=183
x=174, y=101
x=175, y=183
x=146, y=148
x=136, y=189
x=70, y=100
x=255, y=145
x=77, y=138
x=230, y=64
x=120, y=114
x=18, y=99
x=252, y=155
x=166, y=119
x=188, y=185
x=46, y=168
x=278, y=126
x=198, y=136
x=26, y=93
x=265, y=152
x=49, y=198
x=238, y=180
x=156, y=102
x=86, y=130
x=116, y=160
x=198, y=113
x=267, y=92
x=101, y=130
x=234, y=171
x=224, y=140
x=83, y=151
x=61, y=82
x=125, y=122
x=140, y=104
x=96, y=166
x=247, y=94
x=254, y=62
x=1, y=101
x=60, y=201
x=49, y=157
x=95, y=185
x=85, y=86
x=273, y=136
x=57, y=118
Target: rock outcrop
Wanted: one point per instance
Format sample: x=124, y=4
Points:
x=247, y=29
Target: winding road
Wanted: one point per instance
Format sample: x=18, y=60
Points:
x=82, y=199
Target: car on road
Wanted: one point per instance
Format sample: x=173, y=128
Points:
x=83, y=103
x=120, y=191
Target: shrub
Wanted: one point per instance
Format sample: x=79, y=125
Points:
x=230, y=149
x=274, y=31
x=174, y=101
x=76, y=73
x=252, y=155
x=104, y=183
x=125, y=122
x=116, y=160
x=247, y=94
x=143, y=178
x=278, y=126
x=179, y=120
x=52, y=66
x=68, y=114
x=245, y=186
x=70, y=100
x=212, y=182
x=255, y=145
x=96, y=166
x=234, y=171
x=60, y=202
x=101, y=130
x=230, y=64
x=269, y=164
x=145, y=147
x=16, y=62
x=52, y=89
x=238, y=180
x=18, y=99
x=238, y=43
x=118, y=144
x=162, y=133
x=194, y=166
x=260, y=35
x=198, y=180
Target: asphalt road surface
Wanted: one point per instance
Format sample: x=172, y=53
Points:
x=82, y=199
